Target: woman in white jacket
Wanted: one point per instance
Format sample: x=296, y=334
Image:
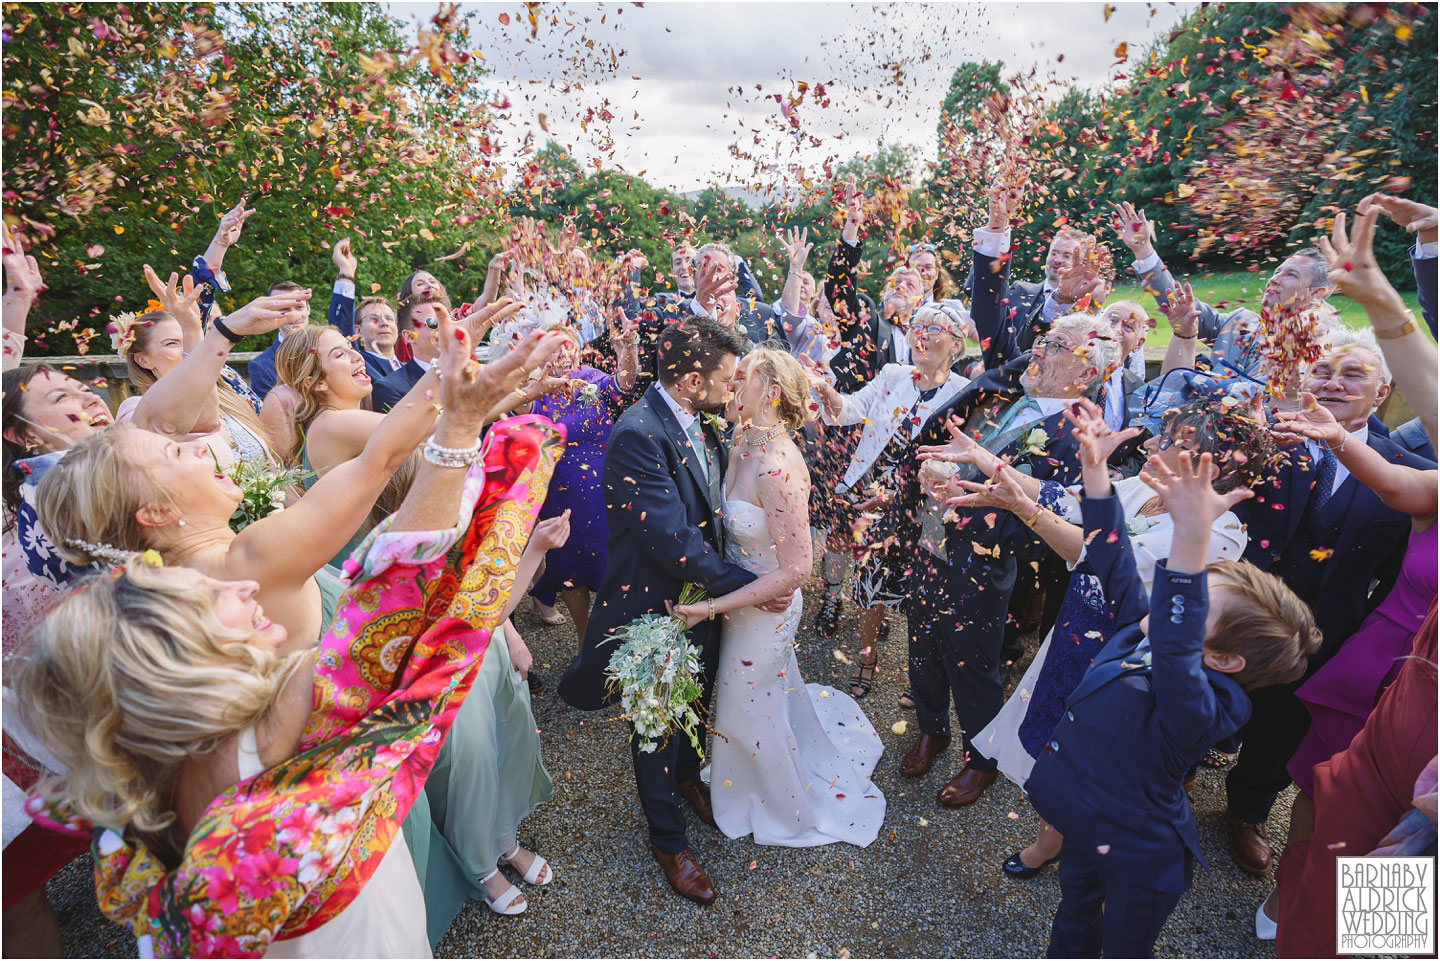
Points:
x=893, y=407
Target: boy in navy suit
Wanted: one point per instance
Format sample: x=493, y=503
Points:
x=1159, y=694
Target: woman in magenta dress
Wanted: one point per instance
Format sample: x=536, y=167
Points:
x=586, y=401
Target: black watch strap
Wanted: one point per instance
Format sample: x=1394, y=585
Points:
x=219, y=324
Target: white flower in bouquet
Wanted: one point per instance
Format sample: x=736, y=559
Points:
x=657, y=672
x=262, y=489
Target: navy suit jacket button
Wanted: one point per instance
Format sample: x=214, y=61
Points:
x=1177, y=599
x=1054, y=745
x=1176, y=619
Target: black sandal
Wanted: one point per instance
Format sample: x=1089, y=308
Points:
x=906, y=700
x=863, y=678
x=1217, y=759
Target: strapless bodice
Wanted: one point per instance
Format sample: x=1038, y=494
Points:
x=748, y=543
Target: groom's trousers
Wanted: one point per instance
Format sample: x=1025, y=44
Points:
x=658, y=772
x=957, y=625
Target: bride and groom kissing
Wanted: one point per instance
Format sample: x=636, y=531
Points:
x=789, y=765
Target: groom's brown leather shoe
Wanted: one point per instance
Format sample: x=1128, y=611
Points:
x=966, y=787
x=922, y=753
x=685, y=875
x=698, y=797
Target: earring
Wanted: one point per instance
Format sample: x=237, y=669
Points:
x=181, y=522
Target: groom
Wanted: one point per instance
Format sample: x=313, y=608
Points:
x=663, y=480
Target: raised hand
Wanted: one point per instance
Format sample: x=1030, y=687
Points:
x=962, y=449
x=1133, y=228
x=345, y=260
x=232, y=223
x=1189, y=492
x=1353, y=269
x=854, y=202
x=714, y=284
x=796, y=249
x=1311, y=421
x=1414, y=216
x=1182, y=311
x=627, y=331
x=264, y=314
x=998, y=209
x=1097, y=441
x=179, y=297
x=22, y=272
x=477, y=389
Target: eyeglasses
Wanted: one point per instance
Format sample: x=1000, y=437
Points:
x=1054, y=343
x=1168, y=441
x=932, y=329
x=918, y=248
x=433, y=323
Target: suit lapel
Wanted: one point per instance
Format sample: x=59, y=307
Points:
x=681, y=440
x=1118, y=661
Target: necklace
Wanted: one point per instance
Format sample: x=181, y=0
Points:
x=764, y=438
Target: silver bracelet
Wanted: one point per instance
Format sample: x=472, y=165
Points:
x=451, y=456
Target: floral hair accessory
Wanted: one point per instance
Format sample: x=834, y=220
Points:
x=122, y=332
x=152, y=557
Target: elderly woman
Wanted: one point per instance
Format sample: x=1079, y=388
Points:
x=892, y=407
x=163, y=690
x=1241, y=448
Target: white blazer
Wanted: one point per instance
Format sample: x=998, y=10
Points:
x=882, y=405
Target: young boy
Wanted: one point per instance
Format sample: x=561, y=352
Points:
x=1167, y=686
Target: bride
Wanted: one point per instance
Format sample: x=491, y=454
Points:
x=791, y=761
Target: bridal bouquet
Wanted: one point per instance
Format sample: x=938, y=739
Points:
x=262, y=490
x=657, y=672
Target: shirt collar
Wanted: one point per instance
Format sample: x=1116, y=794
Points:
x=681, y=414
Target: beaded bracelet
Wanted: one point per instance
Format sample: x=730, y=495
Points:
x=451, y=456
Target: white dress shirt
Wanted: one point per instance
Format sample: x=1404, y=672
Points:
x=681, y=414
x=1358, y=436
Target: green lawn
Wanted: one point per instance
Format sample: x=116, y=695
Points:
x=1239, y=289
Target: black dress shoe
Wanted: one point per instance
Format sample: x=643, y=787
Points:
x=827, y=618
x=1015, y=869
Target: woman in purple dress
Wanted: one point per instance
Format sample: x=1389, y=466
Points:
x=586, y=401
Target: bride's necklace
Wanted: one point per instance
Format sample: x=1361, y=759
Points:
x=763, y=438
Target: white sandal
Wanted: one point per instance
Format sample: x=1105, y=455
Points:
x=536, y=866
x=505, y=903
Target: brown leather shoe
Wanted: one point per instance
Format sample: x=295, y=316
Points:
x=1249, y=845
x=698, y=797
x=685, y=875
x=966, y=787
x=922, y=753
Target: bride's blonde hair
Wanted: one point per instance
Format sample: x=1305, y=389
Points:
x=777, y=368
x=131, y=675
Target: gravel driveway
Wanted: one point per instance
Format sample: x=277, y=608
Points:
x=930, y=885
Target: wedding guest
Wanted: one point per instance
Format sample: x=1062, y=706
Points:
x=892, y=409
x=584, y=400
x=257, y=715
x=1174, y=677
x=379, y=331
x=965, y=570
x=924, y=259
x=419, y=322
x=1241, y=447
x=1332, y=539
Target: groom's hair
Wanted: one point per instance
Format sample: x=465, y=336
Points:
x=696, y=344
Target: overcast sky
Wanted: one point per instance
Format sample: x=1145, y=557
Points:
x=681, y=78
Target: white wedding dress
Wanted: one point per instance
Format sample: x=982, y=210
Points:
x=790, y=761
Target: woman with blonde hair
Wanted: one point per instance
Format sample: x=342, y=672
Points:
x=807, y=782
x=240, y=806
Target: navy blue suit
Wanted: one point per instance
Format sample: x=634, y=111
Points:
x=1008, y=317
x=1425, y=283
x=957, y=616
x=386, y=392
x=261, y=370
x=1357, y=540
x=1111, y=779
x=666, y=530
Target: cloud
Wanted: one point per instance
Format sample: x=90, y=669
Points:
x=886, y=68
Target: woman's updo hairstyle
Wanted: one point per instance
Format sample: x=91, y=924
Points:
x=87, y=502
x=776, y=367
x=297, y=366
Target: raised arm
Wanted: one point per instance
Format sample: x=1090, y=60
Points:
x=1137, y=233
x=342, y=296
x=22, y=290
x=626, y=340
x=291, y=545
x=1424, y=222
x=1007, y=491
x=226, y=235
x=1410, y=355
x=173, y=403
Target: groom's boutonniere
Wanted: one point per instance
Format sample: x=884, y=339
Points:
x=717, y=422
x=1131, y=665
x=1034, y=442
